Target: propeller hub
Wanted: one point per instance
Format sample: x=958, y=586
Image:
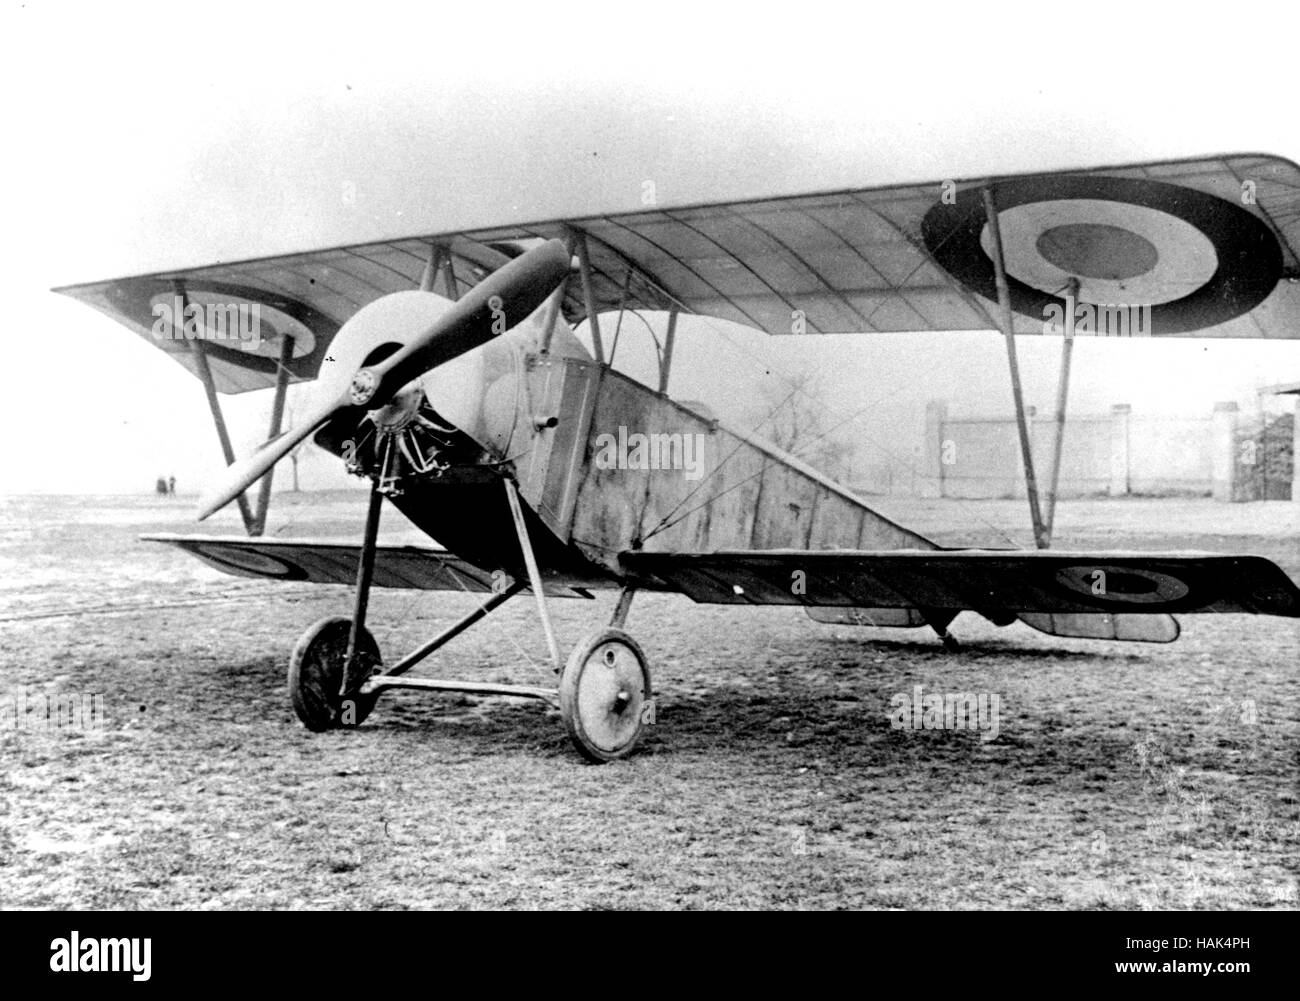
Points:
x=363, y=386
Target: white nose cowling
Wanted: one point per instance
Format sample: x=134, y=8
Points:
x=494, y=305
x=454, y=387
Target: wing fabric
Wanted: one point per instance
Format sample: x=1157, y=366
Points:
x=326, y=562
x=894, y=258
x=1046, y=582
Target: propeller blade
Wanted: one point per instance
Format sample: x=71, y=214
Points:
x=241, y=475
x=493, y=306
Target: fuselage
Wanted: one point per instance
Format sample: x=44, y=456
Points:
x=604, y=464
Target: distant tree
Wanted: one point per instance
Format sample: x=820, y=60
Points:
x=790, y=413
x=297, y=452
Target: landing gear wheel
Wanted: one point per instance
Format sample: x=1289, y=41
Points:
x=316, y=675
x=605, y=696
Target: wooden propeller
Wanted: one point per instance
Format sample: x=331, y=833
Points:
x=495, y=304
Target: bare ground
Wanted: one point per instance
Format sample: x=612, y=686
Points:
x=1122, y=776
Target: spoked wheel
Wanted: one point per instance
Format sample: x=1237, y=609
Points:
x=316, y=675
x=605, y=696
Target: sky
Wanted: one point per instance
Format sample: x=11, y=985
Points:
x=145, y=137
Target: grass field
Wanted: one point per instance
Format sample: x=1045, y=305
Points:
x=1122, y=776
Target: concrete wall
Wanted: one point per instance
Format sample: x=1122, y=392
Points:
x=1171, y=455
x=1115, y=454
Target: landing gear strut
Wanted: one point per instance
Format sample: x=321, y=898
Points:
x=334, y=657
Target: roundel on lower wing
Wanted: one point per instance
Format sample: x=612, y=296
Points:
x=249, y=561
x=1123, y=585
x=1195, y=259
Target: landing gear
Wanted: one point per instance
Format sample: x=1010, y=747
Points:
x=605, y=695
x=336, y=656
x=316, y=675
x=336, y=673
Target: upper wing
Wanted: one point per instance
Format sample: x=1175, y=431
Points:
x=325, y=562
x=1211, y=245
x=986, y=581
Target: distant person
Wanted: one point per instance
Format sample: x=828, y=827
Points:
x=160, y=486
x=171, y=485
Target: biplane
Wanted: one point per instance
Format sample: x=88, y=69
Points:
x=449, y=375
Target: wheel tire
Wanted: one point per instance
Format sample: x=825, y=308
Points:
x=316, y=674
x=604, y=695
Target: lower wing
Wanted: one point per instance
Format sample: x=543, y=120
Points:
x=1044, y=587
x=326, y=562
